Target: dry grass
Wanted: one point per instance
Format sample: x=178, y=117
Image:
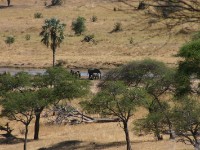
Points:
x=90, y=136
x=111, y=49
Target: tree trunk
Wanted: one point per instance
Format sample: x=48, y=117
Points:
x=25, y=139
x=168, y=120
x=37, y=126
x=54, y=51
x=157, y=133
x=8, y=1
x=128, y=142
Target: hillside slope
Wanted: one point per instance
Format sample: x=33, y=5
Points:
x=139, y=38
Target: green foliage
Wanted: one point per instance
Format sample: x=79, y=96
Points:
x=154, y=122
x=52, y=34
x=66, y=86
x=117, y=27
x=19, y=106
x=94, y=18
x=190, y=51
x=27, y=37
x=57, y=2
x=78, y=25
x=10, y=40
x=186, y=121
x=155, y=76
x=40, y=91
x=38, y=15
x=9, y=83
x=16, y=103
x=116, y=100
x=188, y=67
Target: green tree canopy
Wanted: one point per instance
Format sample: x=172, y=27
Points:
x=186, y=121
x=78, y=25
x=20, y=107
x=188, y=68
x=56, y=84
x=116, y=99
x=154, y=76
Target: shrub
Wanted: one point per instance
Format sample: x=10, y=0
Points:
x=38, y=15
x=94, y=18
x=28, y=37
x=56, y=2
x=117, y=27
x=78, y=26
x=131, y=40
x=10, y=40
x=89, y=38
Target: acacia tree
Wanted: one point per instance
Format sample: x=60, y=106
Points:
x=20, y=107
x=186, y=121
x=116, y=99
x=188, y=69
x=56, y=84
x=156, y=78
x=52, y=34
x=63, y=86
x=154, y=122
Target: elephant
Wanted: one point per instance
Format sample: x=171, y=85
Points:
x=94, y=72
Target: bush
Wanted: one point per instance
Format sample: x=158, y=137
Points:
x=28, y=37
x=89, y=38
x=117, y=27
x=38, y=15
x=10, y=40
x=78, y=26
x=94, y=18
x=56, y=2
x=131, y=40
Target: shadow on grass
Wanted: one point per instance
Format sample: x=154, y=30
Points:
x=80, y=145
x=4, y=6
x=13, y=140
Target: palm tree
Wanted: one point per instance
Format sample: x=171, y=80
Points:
x=52, y=34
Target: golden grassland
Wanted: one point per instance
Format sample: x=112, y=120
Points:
x=89, y=137
x=110, y=51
